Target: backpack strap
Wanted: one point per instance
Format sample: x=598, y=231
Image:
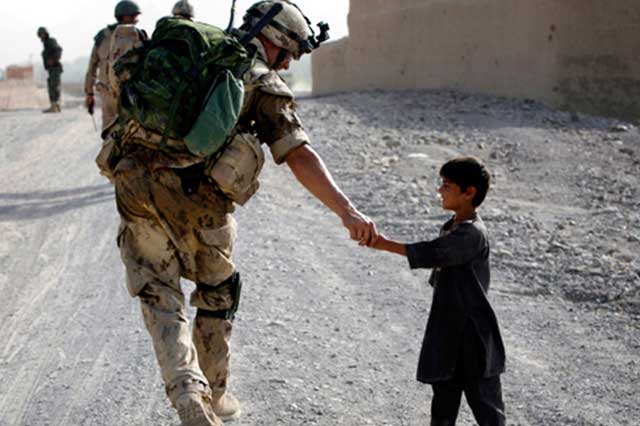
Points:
x=172, y=112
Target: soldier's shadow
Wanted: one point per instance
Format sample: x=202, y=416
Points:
x=42, y=204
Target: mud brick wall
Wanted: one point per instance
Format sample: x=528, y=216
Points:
x=15, y=72
x=580, y=55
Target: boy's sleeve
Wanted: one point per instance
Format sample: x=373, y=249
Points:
x=457, y=248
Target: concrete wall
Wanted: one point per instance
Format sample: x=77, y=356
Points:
x=576, y=54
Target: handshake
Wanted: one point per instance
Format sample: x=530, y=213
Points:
x=363, y=230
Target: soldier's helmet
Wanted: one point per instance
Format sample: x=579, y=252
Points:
x=290, y=29
x=183, y=8
x=42, y=30
x=127, y=8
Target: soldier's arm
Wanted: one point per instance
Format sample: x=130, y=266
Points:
x=58, y=53
x=56, y=50
x=311, y=172
x=279, y=126
x=92, y=70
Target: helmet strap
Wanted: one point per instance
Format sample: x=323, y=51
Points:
x=282, y=55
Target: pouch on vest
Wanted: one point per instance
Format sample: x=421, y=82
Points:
x=109, y=155
x=106, y=159
x=218, y=117
x=236, y=171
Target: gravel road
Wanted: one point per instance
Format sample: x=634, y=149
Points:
x=328, y=333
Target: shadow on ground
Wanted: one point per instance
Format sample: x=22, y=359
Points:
x=42, y=204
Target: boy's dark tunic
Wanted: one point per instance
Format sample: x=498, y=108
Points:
x=460, y=310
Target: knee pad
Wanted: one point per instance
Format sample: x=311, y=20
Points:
x=235, y=284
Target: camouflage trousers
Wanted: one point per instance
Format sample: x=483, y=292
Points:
x=109, y=105
x=53, y=84
x=165, y=235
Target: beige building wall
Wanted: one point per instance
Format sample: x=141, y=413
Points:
x=576, y=54
x=16, y=72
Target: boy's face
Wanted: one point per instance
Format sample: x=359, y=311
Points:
x=453, y=198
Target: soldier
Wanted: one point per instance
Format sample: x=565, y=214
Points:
x=176, y=222
x=183, y=9
x=51, y=58
x=126, y=12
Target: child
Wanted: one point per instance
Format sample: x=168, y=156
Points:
x=462, y=350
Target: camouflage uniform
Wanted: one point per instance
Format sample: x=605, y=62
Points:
x=97, y=74
x=167, y=233
x=51, y=55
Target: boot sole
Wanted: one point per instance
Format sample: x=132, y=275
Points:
x=230, y=417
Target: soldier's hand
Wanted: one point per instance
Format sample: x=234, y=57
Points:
x=89, y=102
x=361, y=228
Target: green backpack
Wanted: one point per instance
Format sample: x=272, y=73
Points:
x=187, y=85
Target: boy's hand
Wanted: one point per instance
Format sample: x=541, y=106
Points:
x=373, y=243
x=376, y=244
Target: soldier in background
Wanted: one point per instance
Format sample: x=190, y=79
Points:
x=51, y=59
x=183, y=9
x=126, y=12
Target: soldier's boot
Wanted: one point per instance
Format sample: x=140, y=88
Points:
x=52, y=108
x=227, y=407
x=193, y=404
x=211, y=339
x=55, y=107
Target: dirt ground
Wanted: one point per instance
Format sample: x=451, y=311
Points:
x=328, y=333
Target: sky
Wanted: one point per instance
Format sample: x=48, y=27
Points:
x=74, y=22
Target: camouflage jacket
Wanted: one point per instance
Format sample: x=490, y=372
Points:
x=51, y=54
x=97, y=69
x=99, y=59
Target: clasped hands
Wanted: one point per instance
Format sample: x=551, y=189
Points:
x=361, y=228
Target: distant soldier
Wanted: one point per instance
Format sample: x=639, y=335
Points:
x=183, y=9
x=126, y=13
x=51, y=59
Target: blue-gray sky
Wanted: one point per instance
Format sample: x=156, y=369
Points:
x=74, y=22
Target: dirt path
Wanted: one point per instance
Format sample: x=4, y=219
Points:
x=329, y=333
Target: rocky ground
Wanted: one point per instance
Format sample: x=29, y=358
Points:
x=328, y=333
x=564, y=203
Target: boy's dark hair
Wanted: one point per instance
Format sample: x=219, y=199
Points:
x=466, y=172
